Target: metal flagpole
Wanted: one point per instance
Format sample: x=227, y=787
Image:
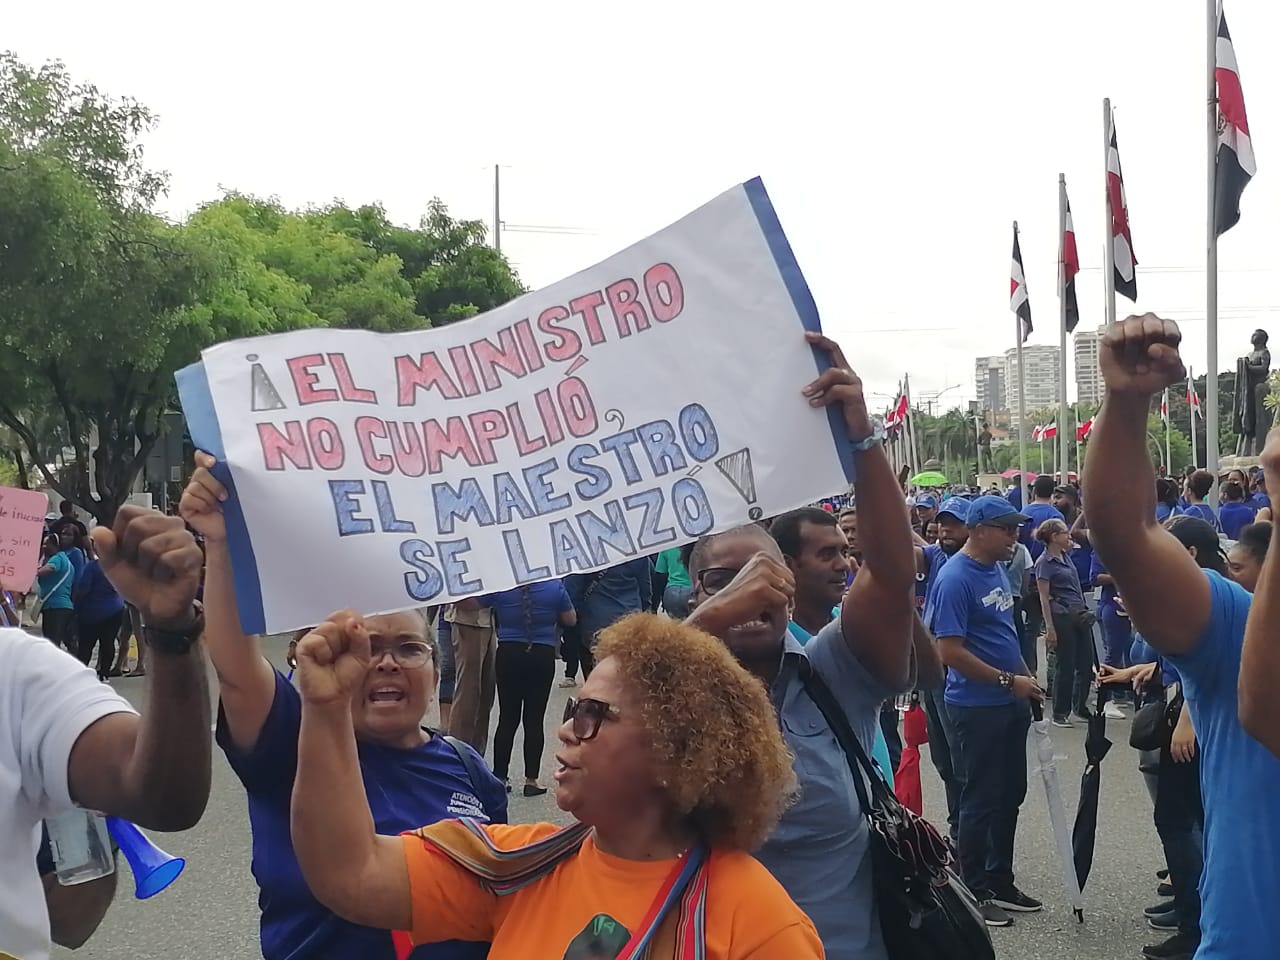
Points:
x=1062, y=328
x=1109, y=248
x=1168, y=458
x=1211, y=260
x=1191, y=409
x=1022, y=404
x=497, y=211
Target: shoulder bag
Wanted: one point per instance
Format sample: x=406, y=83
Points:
x=34, y=607
x=926, y=911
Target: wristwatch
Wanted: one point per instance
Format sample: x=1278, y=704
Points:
x=176, y=641
x=1006, y=681
x=875, y=439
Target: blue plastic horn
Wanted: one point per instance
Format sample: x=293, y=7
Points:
x=153, y=869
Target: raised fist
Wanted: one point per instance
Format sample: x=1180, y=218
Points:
x=1140, y=355
x=155, y=564
x=333, y=660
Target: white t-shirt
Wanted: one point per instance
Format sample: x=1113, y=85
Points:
x=47, y=699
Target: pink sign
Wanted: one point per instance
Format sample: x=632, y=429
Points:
x=21, y=525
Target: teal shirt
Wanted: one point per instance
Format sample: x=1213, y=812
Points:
x=880, y=749
x=56, y=585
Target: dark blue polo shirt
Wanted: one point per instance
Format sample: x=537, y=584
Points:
x=1065, y=594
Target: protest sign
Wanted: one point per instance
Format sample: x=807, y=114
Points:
x=21, y=529
x=635, y=406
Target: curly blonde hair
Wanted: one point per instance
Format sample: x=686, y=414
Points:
x=715, y=734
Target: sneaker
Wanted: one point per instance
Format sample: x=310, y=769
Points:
x=1164, y=922
x=1164, y=906
x=1165, y=889
x=568, y=682
x=1112, y=711
x=993, y=916
x=1063, y=722
x=1180, y=946
x=1011, y=898
x=1162, y=873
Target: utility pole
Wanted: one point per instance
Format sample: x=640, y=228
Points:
x=497, y=210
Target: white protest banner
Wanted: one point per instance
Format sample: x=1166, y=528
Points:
x=635, y=406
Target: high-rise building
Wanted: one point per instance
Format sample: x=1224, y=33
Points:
x=988, y=381
x=1042, y=380
x=1088, y=374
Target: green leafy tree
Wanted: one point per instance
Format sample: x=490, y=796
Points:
x=101, y=300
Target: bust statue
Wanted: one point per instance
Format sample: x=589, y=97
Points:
x=1250, y=417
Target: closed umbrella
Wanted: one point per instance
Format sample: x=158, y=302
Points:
x=1047, y=767
x=1085, y=831
x=906, y=782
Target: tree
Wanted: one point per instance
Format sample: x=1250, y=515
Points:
x=102, y=300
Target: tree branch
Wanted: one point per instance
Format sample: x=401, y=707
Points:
x=10, y=419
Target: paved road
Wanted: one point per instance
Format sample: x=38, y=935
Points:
x=210, y=913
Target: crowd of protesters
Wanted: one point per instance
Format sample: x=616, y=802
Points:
x=704, y=777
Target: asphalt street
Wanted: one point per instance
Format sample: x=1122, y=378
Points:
x=210, y=913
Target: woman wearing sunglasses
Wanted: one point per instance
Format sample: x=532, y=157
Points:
x=671, y=764
x=413, y=775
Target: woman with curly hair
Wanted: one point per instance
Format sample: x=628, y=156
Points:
x=673, y=767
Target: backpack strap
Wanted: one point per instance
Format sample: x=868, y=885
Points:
x=477, y=773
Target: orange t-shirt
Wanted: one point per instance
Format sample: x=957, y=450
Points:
x=587, y=908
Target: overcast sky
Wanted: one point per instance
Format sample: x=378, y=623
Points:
x=898, y=140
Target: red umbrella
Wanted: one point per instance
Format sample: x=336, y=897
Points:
x=906, y=781
x=1010, y=474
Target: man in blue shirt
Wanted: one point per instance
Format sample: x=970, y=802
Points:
x=1040, y=509
x=820, y=851
x=952, y=534
x=988, y=689
x=1196, y=619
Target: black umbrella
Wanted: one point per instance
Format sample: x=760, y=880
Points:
x=1084, y=832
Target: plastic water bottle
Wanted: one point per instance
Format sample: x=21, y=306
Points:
x=81, y=847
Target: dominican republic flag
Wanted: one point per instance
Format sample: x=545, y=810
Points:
x=1070, y=267
x=1193, y=400
x=1018, y=301
x=1083, y=431
x=1126, y=278
x=897, y=415
x=1164, y=406
x=1047, y=432
x=1235, y=164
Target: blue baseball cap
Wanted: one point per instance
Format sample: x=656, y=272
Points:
x=928, y=501
x=957, y=508
x=994, y=511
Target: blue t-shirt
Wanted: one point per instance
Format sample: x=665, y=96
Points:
x=406, y=789
x=1096, y=566
x=55, y=586
x=1082, y=557
x=1039, y=513
x=95, y=598
x=529, y=614
x=1240, y=781
x=1260, y=500
x=880, y=749
x=1166, y=510
x=1014, y=495
x=972, y=600
x=934, y=558
x=1234, y=517
x=1204, y=512
x=1065, y=593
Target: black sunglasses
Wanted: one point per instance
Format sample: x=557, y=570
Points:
x=587, y=715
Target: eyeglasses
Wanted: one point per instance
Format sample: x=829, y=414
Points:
x=408, y=654
x=587, y=715
x=714, y=579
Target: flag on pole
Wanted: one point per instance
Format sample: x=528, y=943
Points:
x=1035, y=432
x=1193, y=400
x=1047, y=432
x=1126, y=278
x=898, y=412
x=1083, y=431
x=1235, y=164
x=1018, y=301
x=1070, y=267
x=1164, y=407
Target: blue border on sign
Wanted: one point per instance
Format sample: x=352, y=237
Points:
x=206, y=435
x=802, y=300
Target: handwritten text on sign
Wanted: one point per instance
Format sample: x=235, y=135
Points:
x=21, y=530
x=645, y=402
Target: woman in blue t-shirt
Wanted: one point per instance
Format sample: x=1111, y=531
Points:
x=99, y=613
x=55, y=577
x=1233, y=513
x=527, y=618
x=413, y=776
